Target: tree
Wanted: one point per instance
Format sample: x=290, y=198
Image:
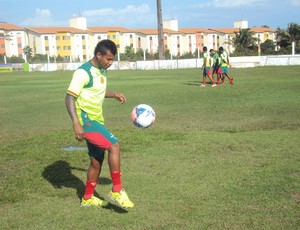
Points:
x=28, y=52
x=15, y=59
x=59, y=59
x=244, y=42
x=286, y=37
x=1, y=58
x=129, y=53
x=39, y=58
x=139, y=54
x=267, y=47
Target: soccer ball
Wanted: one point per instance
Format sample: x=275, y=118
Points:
x=143, y=116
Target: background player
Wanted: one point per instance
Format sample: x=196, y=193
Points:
x=216, y=62
x=206, y=68
x=224, y=65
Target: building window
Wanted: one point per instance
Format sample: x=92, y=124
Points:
x=46, y=38
x=99, y=37
x=19, y=45
x=84, y=47
x=130, y=36
x=114, y=36
x=150, y=38
x=83, y=37
x=58, y=48
x=57, y=38
x=47, y=48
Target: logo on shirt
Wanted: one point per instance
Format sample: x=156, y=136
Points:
x=102, y=80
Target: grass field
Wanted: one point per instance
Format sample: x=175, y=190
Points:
x=216, y=158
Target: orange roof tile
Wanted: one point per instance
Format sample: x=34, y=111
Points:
x=232, y=30
x=104, y=29
x=152, y=31
x=262, y=29
x=194, y=30
x=54, y=30
x=7, y=26
x=225, y=30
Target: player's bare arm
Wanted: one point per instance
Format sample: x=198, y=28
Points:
x=70, y=104
x=119, y=96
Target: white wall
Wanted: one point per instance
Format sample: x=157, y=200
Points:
x=236, y=62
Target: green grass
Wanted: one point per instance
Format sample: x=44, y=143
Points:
x=216, y=158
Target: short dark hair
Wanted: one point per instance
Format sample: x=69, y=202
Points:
x=211, y=50
x=204, y=48
x=221, y=49
x=104, y=46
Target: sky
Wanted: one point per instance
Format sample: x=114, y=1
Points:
x=143, y=14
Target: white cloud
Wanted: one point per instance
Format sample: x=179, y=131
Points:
x=236, y=3
x=231, y=3
x=295, y=2
x=43, y=17
x=132, y=15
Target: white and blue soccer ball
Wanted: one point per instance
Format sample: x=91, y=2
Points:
x=143, y=116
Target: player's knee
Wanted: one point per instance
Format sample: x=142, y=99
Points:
x=114, y=147
x=95, y=164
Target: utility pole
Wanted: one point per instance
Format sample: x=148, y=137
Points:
x=161, y=50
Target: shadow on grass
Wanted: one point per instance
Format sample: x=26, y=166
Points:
x=59, y=174
x=197, y=83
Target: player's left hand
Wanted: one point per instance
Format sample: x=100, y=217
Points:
x=120, y=97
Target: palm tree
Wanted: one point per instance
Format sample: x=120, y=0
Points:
x=286, y=37
x=28, y=52
x=244, y=41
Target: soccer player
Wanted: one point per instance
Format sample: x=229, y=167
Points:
x=216, y=63
x=84, y=101
x=206, y=68
x=224, y=65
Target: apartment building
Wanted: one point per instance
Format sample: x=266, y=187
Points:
x=77, y=42
x=68, y=42
x=12, y=40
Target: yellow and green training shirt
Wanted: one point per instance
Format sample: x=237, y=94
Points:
x=88, y=87
x=206, y=57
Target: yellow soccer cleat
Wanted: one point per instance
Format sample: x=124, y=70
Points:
x=120, y=199
x=93, y=201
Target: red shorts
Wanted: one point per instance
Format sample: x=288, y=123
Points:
x=96, y=135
